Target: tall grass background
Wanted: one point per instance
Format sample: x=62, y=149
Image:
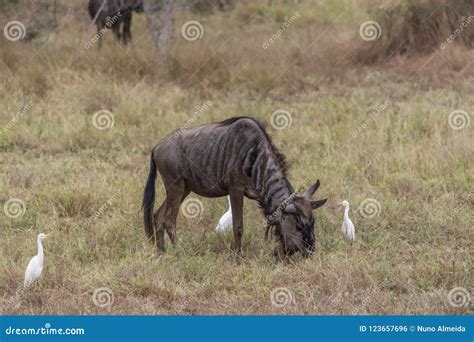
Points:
x=83, y=186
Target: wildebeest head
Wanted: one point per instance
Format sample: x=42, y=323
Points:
x=294, y=225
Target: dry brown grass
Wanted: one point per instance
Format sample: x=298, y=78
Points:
x=405, y=260
x=419, y=27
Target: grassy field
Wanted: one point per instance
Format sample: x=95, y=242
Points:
x=377, y=134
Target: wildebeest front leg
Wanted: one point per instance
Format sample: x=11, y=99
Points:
x=116, y=31
x=126, y=32
x=237, y=203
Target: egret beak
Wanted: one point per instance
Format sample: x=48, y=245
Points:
x=46, y=236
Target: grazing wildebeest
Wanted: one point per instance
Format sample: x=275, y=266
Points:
x=114, y=14
x=234, y=157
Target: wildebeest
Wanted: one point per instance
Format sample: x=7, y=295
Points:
x=233, y=157
x=115, y=14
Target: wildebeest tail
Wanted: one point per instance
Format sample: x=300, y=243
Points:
x=149, y=198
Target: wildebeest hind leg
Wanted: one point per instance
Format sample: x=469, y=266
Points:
x=126, y=31
x=175, y=195
x=159, y=218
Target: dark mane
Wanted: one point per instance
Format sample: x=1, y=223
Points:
x=280, y=157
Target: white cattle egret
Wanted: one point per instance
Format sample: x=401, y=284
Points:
x=348, y=229
x=225, y=222
x=35, y=266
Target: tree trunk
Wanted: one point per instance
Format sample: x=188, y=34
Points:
x=160, y=16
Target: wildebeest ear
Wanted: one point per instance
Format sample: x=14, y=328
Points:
x=317, y=204
x=290, y=209
x=312, y=189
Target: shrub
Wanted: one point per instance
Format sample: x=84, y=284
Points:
x=419, y=27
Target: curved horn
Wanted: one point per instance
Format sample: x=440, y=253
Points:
x=312, y=189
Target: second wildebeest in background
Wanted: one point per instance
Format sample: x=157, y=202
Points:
x=235, y=157
x=116, y=14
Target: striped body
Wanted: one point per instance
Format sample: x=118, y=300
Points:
x=235, y=157
x=236, y=153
